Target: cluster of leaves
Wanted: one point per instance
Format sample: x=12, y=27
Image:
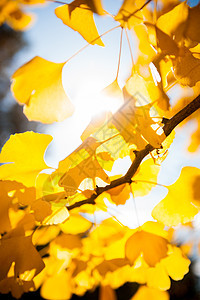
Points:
x=12, y=13
x=46, y=241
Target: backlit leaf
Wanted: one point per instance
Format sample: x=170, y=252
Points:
x=79, y=165
x=105, y=160
x=57, y=287
x=113, y=94
x=95, y=6
x=135, y=124
x=120, y=194
x=78, y=16
x=186, y=68
x=146, y=90
x=42, y=209
x=193, y=27
x=159, y=39
x=129, y=14
x=158, y=278
x=15, y=247
x=153, y=247
x=145, y=178
x=176, y=264
x=58, y=215
x=177, y=207
x=44, y=97
x=45, y=234
x=12, y=191
x=75, y=224
x=15, y=17
x=27, y=160
x=173, y=22
x=16, y=287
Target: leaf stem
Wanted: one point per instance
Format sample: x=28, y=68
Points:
x=150, y=182
x=110, y=138
x=120, y=52
x=129, y=45
x=88, y=44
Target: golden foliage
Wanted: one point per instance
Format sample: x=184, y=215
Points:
x=25, y=163
x=46, y=241
x=78, y=16
x=43, y=81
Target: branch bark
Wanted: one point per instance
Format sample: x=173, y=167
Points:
x=169, y=125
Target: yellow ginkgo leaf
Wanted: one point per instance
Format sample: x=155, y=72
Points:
x=176, y=264
x=146, y=51
x=113, y=94
x=145, y=179
x=107, y=232
x=75, y=224
x=15, y=17
x=145, y=292
x=16, y=287
x=174, y=22
x=78, y=16
x=158, y=278
x=111, y=265
x=57, y=287
x=160, y=39
x=6, y=202
x=146, y=91
x=58, y=215
x=45, y=234
x=42, y=209
x=79, y=165
x=120, y=194
x=15, y=247
x=66, y=241
x=177, y=207
x=157, y=229
x=186, y=67
x=95, y=6
x=85, y=150
x=27, y=160
x=105, y=160
x=88, y=168
x=12, y=191
x=151, y=246
x=130, y=14
x=44, y=97
x=135, y=123
x=193, y=27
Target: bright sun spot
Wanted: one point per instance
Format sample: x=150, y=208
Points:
x=91, y=100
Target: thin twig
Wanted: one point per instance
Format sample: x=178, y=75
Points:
x=139, y=155
x=137, y=10
x=120, y=52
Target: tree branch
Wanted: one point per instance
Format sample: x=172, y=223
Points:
x=170, y=124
